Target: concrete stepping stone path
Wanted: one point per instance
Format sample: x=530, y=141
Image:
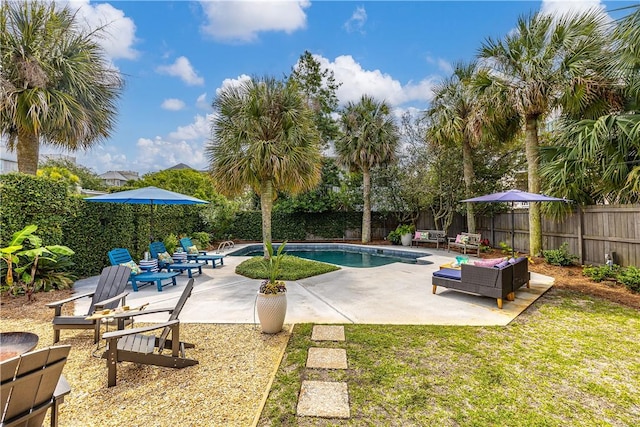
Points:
x=325, y=399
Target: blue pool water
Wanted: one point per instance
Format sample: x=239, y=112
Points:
x=341, y=257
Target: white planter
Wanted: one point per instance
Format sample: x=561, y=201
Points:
x=406, y=239
x=272, y=309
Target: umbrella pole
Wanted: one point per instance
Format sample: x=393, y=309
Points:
x=151, y=224
x=513, y=233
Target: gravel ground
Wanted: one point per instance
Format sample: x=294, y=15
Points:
x=237, y=363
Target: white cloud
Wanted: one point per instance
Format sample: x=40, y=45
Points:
x=201, y=102
x=357, y=81
x=241, y=21
x=357, y=20
x=173, y=104
x=442, y=64
x=182, y=68
x=119, y=33
x=199, y=129
x=232, y=82
x=565, y=7
x=158, y=154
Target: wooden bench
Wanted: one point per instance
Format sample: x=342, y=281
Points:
x=472, y=242
x=429, y=236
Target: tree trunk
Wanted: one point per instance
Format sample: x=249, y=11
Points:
x=28, y=150
x=366, y=210
x=531, y=150
x=266, y=203
x=469, y=177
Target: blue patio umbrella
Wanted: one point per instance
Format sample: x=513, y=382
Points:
x=512, y=196
x=147, y=196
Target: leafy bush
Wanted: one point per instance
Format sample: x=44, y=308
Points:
x=600, y=273
x=203, y=239
x=505, y=248
x=630, y=277
x=171, y=243
x=394, y=237
x=560, y=256
x=403, y=229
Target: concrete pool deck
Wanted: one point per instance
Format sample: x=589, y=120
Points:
x=397, y=293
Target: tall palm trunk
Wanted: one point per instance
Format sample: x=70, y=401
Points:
x=266, y=204
x=531, y=151
x=366, y=210
x=469, y=177
x=28, y=149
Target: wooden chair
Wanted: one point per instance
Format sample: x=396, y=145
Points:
x=186, y=243
x=31, y=384
x=157, y=248
x=108, y=294
x=132, y=345
x=119, y=256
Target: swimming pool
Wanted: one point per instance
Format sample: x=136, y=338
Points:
x=340, y=254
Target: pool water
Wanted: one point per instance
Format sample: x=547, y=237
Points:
x=344, y=258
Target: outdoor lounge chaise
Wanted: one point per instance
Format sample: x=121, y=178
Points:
x=499, y=282
x=194, y=254
x=108, y=294
x=121, y=256
x=133, y=345
x=157, y=250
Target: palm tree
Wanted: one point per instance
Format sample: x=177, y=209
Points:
x=264, y=137
x=56, y=86
x=598, y=160
x=370, y=138
x=546, y=65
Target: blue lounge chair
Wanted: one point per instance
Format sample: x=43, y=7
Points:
x=121, y=256
x=186, y=243
x=157, y=248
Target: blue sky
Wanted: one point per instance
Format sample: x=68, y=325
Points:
x=175, y=55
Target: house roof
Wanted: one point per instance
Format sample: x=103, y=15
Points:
x=113, y=175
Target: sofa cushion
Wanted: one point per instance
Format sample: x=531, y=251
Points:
x=488, y=262
x=448, y=273
x=418, y=235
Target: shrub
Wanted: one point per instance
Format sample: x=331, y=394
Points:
x=505, y=248
x=560, y=256
x=203, y=238
x=171, y=243
x=394, y=237
x=630, y=277
x=600, y=273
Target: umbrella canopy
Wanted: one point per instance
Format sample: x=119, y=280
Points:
x=148, y=196
x=514, y=196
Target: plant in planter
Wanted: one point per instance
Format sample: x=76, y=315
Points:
x=406, y=232
x=271, y=302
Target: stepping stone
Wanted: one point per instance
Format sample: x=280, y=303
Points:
x=324, y=399
x=327, y=358
x=327, y=333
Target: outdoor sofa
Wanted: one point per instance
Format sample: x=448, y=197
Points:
x=499, y=281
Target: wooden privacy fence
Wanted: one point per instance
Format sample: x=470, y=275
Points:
x=591, y=232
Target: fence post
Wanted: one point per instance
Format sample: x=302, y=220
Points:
x=580, y=233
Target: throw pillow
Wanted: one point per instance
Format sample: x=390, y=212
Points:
x=425, y=235
x=459, y=238
x=418, y=235
x=165, y=257
x=192, y=250
x=133, y=266
x=488, y=262
x=464, y=239
x=503, y=264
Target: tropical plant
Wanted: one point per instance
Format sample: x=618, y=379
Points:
x=547, y=64
x=394, y=237
x=56, y=85
x=170, y=242
x=272, y=266
x=403, y=229
x=560, y=256
x=35, y=266
x=264, y=136
x=203, y=239
x=370, y=138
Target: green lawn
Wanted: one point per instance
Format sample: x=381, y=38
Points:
x=569, y=360
x=292, y=268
